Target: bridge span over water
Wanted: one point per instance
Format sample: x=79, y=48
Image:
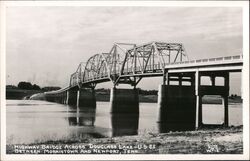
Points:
x=180, y=94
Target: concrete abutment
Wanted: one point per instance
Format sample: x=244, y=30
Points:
x=180, y=106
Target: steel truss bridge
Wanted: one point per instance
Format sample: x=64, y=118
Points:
x=180, y=106
x=128, y=63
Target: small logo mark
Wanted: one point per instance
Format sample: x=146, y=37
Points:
x=212, y=148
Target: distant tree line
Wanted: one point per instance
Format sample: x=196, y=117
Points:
x=29, y=86
x=148, y=92
x=50, y=88
x=102, y=90
x=11, y=87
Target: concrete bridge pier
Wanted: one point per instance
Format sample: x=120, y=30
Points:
x=60, y=98
x=176, y=103
x=86, y=98
x=50, y=98
x=64, y=101
x=72, y=97
x=124, y=111
x=86, y=106
x=124, y=100
x=83, y=103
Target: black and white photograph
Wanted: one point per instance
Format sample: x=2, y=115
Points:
x=124, y=80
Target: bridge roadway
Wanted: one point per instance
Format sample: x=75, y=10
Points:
x=179, y=96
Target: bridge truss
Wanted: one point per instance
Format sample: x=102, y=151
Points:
x=128, y=63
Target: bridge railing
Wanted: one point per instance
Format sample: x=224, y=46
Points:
x=210, y=60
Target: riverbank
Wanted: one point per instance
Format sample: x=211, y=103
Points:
x=101, y=96
x=153, y=99
x=204, y=141
x=18, y=94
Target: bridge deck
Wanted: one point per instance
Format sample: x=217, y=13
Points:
x=229, y=63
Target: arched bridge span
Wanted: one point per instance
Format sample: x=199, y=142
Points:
x=128, y=63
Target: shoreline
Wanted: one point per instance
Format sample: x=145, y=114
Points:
x=18, y=94
x=204, y=141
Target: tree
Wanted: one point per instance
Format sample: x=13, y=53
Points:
x=25, y=85
x=36, y=87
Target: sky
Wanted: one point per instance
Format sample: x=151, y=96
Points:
x=44, y=45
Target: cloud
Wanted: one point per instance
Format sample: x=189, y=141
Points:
x=42, y=40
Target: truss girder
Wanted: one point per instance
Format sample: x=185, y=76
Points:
x=125, y=61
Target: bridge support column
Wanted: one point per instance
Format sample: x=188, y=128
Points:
x=49, y=98
x=86, y=98
x=124, y=100
x=177, y=105
x=213, y=89
x=57, y=97
x=124, y=111
x=60, y=98
x=86, y=107
x=72, y=97
x=225, y=100
x=64, y=97
x=225, y=103
x=198, y=118
x=162, y=103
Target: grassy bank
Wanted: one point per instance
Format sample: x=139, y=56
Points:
x=205, y=141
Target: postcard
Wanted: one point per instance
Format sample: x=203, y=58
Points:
x=124, y=80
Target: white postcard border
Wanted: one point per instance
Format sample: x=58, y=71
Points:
x=245, y=80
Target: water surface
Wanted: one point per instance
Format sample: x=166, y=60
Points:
x=32, y=121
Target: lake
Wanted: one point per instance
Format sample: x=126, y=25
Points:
x=32, y=121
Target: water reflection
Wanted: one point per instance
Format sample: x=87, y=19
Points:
x=124, y=124
x=86, y=116
x=25, y=123
x=81, y=116
x=121, y=123
x=72, y=121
